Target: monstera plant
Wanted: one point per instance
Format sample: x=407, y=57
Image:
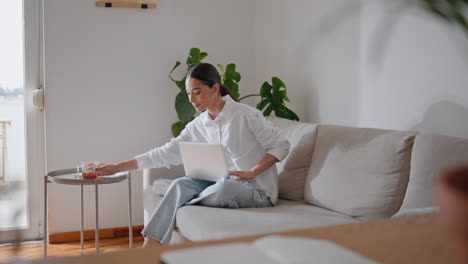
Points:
x=272, y=97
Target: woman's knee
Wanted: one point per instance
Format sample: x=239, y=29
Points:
x=223, y=193
x=182, y=180
x=228, y=188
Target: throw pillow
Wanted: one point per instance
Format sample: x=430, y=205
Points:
x=431, y=154
x=292, y=171
x=360, y=172
x=160, y=186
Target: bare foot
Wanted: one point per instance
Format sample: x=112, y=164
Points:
x=149, y=242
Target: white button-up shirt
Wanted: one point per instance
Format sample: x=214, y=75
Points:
x=243, y=131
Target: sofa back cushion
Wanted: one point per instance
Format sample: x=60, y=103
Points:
x=431, y=154
x=360, y=172
x=293, y=169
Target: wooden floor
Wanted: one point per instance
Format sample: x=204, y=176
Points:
x=36, y=251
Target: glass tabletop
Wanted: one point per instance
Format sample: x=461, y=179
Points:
x=71, y=177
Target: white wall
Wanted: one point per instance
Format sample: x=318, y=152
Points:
x=313, y=46
x=108, y=97
x=323, y=50
x=419, y=79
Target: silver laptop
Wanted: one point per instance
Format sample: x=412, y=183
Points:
x=203, y=161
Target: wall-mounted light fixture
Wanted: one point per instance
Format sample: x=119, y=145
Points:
x=144, y=4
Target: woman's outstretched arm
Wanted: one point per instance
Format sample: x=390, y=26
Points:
x=108, y=169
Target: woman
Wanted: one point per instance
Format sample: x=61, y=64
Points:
x=252, y=146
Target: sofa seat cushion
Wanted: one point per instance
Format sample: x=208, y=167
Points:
x=203, y=223
x=292, y=171
x=431, y=154
x=360, y=172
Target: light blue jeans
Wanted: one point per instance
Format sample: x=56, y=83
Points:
x=226, y=193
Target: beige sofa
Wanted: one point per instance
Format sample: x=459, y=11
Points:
x=332, y=175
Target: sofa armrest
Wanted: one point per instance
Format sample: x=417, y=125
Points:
x=150, y=175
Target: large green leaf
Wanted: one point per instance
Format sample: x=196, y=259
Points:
x=277, y=99
x=265, y=89
x=184, y=108
x=233, y=87
x=262, y=104
x=178, y=63
x=195, y=57
x=267, y=111
x=284, y=94
x=176, y=128
x=281, y=113
x=458, y=17
x=180, y=84
x=292, y=115
x=448, y=10
x=272, y=100
x=202, y=56
x=230, y=78
x=277, y=84
x=231, y=73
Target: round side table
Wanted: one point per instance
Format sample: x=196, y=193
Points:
x=70, y=177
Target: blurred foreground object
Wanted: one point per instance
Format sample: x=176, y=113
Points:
x=452, y=11
x=452, y=190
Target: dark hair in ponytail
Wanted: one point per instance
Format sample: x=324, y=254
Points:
x=208, y=75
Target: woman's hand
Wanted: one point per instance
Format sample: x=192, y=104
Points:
x=267, y=161
x=109, y=169
x=106, y=169
x=243, y=175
